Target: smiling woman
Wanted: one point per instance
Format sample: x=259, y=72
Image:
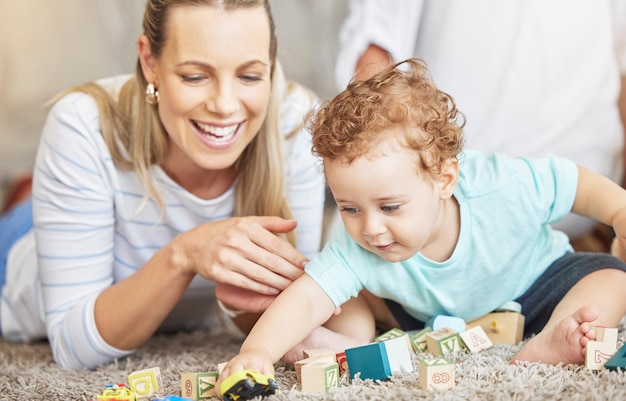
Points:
x=157, y=193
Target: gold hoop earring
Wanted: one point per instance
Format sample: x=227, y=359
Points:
x=152, y=95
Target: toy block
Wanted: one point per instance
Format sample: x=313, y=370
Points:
x=329, y=356
x=606, y=334
x=501, y=327
x=597, y=354
x=393, y=333
x=443, y=341
x=618, y=360
x=418, y=340
x=319, y=377
x=399, y=354
x=475, y=339
x=221, y=366
x=309, y=353
x=369, y=361
x=440, y=321
x=146, y=383
x=436, y=374
x=342, y=361
x=198, y=386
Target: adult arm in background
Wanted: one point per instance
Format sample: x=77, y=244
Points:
x=387, y=26
x=94, y=315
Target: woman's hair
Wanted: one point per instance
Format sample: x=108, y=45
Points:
x=401, y=96
x=137, y=139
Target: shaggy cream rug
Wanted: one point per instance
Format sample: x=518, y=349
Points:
x=27, y=372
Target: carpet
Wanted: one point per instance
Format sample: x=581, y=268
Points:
x=27, y=372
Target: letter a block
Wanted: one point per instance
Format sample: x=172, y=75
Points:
x=198, y=386
x=436, y=374
x=476, y=340
x=145, y=383
x=319, y=376
x=443, y=341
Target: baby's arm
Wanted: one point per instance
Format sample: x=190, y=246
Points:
x=298, y=310
x=603, y=200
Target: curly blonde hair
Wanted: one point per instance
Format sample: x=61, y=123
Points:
x=401, y=96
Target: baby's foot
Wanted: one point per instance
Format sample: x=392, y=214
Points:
x=564, y=341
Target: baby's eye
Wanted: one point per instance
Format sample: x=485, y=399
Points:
x=348, y=209
x=389, y=208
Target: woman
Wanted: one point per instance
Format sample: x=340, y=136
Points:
x=153, y=194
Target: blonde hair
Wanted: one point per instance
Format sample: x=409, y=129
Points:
x=352, y=123
x=137, y=139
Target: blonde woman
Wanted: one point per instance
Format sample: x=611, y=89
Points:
x=155, y=194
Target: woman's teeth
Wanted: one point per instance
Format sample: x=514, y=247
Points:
x=217, y=132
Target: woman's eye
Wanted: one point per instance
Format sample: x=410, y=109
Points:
x=192, y=78
x=389, y=208
x=251, y=78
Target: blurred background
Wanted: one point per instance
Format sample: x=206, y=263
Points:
x=47, y=46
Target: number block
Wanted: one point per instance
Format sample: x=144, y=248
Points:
x=606, y=334
x=598, y=353
x=319, y=376
x=436, y=374
x=198, y=386
x=146, y=383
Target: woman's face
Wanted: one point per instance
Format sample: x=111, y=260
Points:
x=213, y=79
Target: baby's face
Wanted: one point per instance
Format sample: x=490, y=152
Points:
x=386, y=206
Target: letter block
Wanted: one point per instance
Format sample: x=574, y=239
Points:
x=325, y=355
x=198, y=386
x=476, y=340
x=319, y=376
x=606, y=334
x=501, y=327
x=436, y=374
x=443, y=341
x=342, y=361
x=618, y=360
x=146, y=383
x=418, y=340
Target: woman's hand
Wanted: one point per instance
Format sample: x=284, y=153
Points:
x=244, y=252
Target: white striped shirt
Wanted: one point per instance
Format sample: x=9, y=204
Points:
x=89, y=233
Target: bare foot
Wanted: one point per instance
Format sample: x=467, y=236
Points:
x=321, y=337
x=564, y=341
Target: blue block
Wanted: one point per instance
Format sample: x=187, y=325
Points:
x=370, y=360
x=452, y=322
x=618, y=360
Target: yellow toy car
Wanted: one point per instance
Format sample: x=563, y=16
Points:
x=117, y=392
x=247, y=384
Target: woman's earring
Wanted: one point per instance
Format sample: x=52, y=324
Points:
x=152, y=94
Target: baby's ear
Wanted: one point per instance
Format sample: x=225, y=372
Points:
x=448, y=178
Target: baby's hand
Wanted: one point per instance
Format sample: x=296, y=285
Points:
x=258, y=360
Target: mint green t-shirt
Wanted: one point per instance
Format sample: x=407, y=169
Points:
x=505, y=243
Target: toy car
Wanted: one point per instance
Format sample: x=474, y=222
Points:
x=247, y=384
x=116, y=392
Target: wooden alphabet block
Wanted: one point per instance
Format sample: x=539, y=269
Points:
x=475, y=339
x=399, y=354
x=319, y=377
x=145, y=383
x=418, y=340
x=310, y=353
x=327, y=356
x=393, y=333
x=369, y=361
x=501, y=327
x=606, y=334
x=597, y=354
x=618, y=360
x=436, y=374
x=443, y=341
x=198, y=386
x=342, y=361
